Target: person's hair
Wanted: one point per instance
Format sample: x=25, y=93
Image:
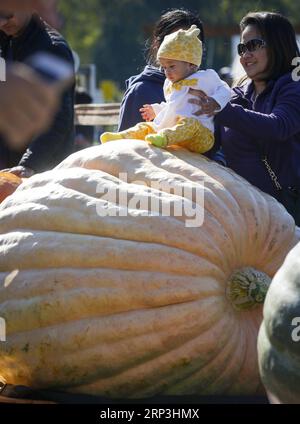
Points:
x=171, y=21
x=280, y=38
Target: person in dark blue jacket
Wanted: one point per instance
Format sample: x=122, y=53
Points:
x=147, y=87
x=260, y=127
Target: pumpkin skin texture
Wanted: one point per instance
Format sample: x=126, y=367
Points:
x=135, y=306
x=279, y=335
x=8, y=184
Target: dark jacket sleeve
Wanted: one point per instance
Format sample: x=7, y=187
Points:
x=282, y=123
x=216, y=152
x=135, y=97
x=50, y=148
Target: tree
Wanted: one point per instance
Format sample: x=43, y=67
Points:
x=113, y=33
x=82, y=26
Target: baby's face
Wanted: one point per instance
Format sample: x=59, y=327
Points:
x=176, y=70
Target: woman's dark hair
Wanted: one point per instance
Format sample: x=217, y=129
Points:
x=280, y=38
x=171, y=21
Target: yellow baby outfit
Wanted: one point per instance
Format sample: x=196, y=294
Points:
x=175, y=122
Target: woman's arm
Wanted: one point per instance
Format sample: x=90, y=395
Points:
x=282, y=123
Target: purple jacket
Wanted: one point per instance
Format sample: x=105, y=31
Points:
x=270, y=125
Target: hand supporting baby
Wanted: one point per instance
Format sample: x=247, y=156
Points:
x=208, y=105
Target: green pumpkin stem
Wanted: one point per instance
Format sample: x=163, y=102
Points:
x=247, y=288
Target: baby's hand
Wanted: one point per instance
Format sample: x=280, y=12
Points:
x=147, y=112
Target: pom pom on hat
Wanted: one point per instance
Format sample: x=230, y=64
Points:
x=182, y=45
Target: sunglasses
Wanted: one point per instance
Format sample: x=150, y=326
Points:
x=250, y=46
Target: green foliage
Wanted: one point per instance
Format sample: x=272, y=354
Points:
x=237, y=8
x=113, y=33
x=82, y=26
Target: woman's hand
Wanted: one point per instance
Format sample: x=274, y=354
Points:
x=208, y=105
x=147, y=112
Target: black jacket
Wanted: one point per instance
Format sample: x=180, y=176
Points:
x=46, y=150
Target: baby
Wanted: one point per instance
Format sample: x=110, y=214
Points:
x=173, y=121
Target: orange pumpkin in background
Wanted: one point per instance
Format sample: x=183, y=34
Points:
x=8, y=184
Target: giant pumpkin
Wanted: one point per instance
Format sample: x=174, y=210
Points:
x=102, y=295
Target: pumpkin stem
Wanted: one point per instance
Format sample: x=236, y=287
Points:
x=247, y=288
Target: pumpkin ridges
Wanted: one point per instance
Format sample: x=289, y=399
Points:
x=137, y=337
x=236, y=201
x=249, y=330
x=21, y=250
x=50, y=217
x=73, y=199
x=144, y=165
x=195, y=378
x=29, y=283
x=194, y=171
x=140, y=381
x=203, y=378
x=139, y=355
x=138, y=164
x=274, y=254
x=237, y=189
x=130, y=324
x=220, y=367
x=81, y=304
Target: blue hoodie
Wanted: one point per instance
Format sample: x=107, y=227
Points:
x=145, y=88
x=270, y=124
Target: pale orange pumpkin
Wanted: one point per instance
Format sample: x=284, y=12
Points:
x=136, y=305
x=8, y=184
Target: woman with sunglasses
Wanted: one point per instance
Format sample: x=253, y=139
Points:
x=259, y=130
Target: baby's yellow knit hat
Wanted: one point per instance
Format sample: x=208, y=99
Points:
x=182, y=45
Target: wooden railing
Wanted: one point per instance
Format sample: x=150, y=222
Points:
x=97, y=114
